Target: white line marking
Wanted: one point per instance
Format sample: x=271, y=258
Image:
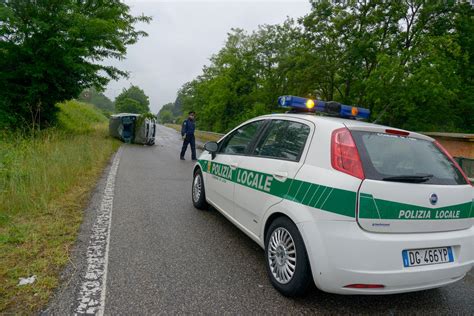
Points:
x=330, y=192
x=91, y=297
x=310, y=187
x=322, y=193
x=376, y=207
x=312, y=198
x=297, y=191
x=472, y=204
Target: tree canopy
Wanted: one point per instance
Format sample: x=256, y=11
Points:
x=52, y=50
x=91, y=95
x=410, y=62
x=166, y=115
x=132, y=100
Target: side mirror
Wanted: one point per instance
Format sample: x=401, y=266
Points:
x=211, y=147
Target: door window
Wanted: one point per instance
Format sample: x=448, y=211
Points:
x=240, y=141
x=283, y=140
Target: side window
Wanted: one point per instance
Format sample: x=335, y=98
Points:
x=283, y=140
x=240, y=140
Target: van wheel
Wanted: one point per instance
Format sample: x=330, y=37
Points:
x=198, y=192
x=286, y=258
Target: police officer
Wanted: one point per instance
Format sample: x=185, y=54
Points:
x=187, y=132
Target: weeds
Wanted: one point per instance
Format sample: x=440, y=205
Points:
x=45, y=183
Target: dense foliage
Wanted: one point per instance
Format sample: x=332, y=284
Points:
x=51, y=50
x=410, y=62
x=165, y=115
x=132, y=100
x=92, y=96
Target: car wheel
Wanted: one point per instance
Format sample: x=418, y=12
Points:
x=286, y=258
x=198, y=192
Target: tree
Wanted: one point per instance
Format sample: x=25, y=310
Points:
x=52, y=50
x=177, y=108
x=223, y=96
x=410, y=62
x=464, y=26
x=166, y=115
x=397, y=58
x=91, y=95
x=132, y=100
x=128, y=105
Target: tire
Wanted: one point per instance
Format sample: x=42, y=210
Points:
x=284, y=248
x=198, y=194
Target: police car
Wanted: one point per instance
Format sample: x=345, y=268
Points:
x=357, y=208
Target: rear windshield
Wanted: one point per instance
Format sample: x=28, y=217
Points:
x=398, y=158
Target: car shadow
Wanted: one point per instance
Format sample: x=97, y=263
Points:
x=445, y=300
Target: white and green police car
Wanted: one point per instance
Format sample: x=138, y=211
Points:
x=357, y=208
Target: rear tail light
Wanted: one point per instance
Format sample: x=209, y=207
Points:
x=365, y=286
x=344, y=154
x=440, y=147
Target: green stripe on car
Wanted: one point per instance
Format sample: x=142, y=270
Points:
x=371, y=207
x=334, y=200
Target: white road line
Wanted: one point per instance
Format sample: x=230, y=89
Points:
x=91, y=296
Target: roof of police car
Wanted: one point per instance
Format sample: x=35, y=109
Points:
x=315, y=118
x=343, y=121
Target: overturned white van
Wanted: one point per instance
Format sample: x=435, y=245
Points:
x=133, y=128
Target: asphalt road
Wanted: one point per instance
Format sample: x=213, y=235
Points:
x=167, y=257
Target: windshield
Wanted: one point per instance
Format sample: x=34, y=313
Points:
x=396, y=158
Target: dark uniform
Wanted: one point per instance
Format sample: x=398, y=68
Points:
x=187, y=130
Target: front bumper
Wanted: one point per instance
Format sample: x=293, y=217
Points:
x=341, y=253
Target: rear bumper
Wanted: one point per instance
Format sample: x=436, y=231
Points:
x=341, y=253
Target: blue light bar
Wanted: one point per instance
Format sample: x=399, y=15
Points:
x=299, y=104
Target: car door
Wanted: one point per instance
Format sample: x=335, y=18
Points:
x=264, y=176
x=222, y=169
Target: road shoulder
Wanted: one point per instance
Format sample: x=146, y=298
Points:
x=64, y=299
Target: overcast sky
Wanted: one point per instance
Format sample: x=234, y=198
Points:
x=182, y=37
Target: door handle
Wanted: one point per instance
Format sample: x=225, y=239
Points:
x=234, y=166
x=280, y=176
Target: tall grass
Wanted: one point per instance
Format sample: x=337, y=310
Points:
x=77, y=117
x=44, y=184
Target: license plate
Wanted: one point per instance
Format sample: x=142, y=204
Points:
x=423, y=257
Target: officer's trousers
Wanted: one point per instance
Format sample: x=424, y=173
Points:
x=189, y=139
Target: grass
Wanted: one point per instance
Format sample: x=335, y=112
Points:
x=200, y=135
x=45, y=184
x=77, y=117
